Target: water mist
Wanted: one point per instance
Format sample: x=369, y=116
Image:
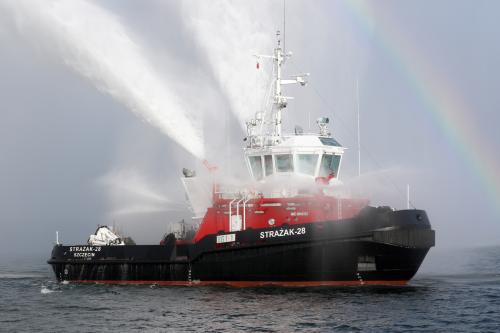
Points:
x=95, y=44
x=230, y=34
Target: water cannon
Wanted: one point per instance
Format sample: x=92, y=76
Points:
x=323, y=126
x=188, y=173
x=253, y=123
x=323, y=120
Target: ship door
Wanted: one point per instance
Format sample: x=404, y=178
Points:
x=235, y=223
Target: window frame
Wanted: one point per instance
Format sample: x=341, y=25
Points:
x=252, y=169
x=314, y=170
x=336, y=171
x=273, y=168
x=292, y=160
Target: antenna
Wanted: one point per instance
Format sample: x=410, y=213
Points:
x=284, y=26
x=359, y=134
x=407, y=196
x=228, y=146
x=309, y=119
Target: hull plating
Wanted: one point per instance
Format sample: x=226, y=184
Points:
x=377, y=248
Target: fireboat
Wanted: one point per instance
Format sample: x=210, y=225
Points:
x=294, y=225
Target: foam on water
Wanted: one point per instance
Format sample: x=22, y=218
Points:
x=45, y=290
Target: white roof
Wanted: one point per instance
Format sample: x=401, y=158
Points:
x=301, y=143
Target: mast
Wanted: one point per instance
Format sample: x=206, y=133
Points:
x=279, y=100
x=284, y=26
x=273, y=133
x=407, y=196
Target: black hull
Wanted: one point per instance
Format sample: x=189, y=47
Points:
x=380, y=246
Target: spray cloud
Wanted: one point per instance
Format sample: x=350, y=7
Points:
x=130, y=193
x=230, y=33
x=94, y=43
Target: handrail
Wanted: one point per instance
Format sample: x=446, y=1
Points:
x=230, y=204
x=238, y=206
x=244, y=213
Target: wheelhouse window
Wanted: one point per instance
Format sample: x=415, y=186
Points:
x=268, y=164
x=306, y=163
x=330, y=142
x=284, y=163
x=256, y=165
x=329, y=165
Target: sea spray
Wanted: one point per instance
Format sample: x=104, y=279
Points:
x=385, y=186
x=380, y=186
x=94, y=43
x=129, y=192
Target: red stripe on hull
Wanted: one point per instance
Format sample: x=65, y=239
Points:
x=244, y=284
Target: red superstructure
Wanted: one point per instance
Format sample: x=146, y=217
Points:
x=264, y=212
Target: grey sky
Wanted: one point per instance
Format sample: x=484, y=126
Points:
x=60, y=136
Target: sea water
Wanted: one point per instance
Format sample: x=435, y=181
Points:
x=454, y=291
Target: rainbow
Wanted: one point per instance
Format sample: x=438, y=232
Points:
x=448, y=110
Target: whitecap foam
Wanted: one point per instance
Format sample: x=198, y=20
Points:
x=45, y=290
